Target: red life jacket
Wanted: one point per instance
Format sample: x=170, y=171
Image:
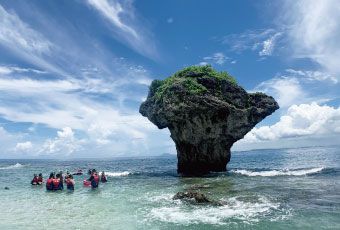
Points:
x=35, y=180
x=40, y=179
x=49, y=181
x=56, y=183
x=96, y=178
x=49, y=184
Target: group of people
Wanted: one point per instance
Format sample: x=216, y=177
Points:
x=37, y=180
x=56, y=181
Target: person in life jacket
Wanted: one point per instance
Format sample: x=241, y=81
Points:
x=40, y=179
x=34, y=180
x=49, y=182
x=70, y=182
x=56, y=183
x=94, y=179
x=103, y=178
x=61, y=178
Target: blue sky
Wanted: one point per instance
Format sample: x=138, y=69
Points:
x=73, y=73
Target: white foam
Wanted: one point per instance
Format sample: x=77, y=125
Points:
x=15, y=166
x=234, y=209
x=117, y=174
x=300, y=172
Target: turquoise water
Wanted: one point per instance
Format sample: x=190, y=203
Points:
x=264, y=189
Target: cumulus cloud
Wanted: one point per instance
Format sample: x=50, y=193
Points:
x=64, y=143
x=300, y=120
x=23, y=146
x=287, y=91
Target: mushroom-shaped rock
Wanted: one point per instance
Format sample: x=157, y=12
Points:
x=206, y=113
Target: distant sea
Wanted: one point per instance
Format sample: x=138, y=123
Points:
x=262, y=189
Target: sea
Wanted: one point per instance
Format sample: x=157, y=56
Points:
x=262, y=189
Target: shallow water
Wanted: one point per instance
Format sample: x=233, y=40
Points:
x=264, y=189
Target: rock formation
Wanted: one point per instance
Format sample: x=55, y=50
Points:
x=206, y=113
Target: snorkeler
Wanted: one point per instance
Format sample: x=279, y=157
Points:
x=49, y=182
x=40, y=179
x=70, y=182
x=103, y=178
x=34, y=180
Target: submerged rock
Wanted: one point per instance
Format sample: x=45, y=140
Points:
x=196, y=197
x=206, y=113
x=192, y=195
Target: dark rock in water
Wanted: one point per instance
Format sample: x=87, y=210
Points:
x=195, y=197
x=6, y=188
x=206, y=113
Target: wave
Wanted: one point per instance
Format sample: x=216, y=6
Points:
x=117, y=174
x=234, y=209
x=15, y=166
x=285, y=172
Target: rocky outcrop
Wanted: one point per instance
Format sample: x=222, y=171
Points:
x=196, y=197
x=206, y=113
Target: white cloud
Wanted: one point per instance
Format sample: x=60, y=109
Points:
x=121, y=15
x=64, y=143
x=313, y=75
x=203, y=63
x=27, y=43
x=314, y=31
x=23, y=146
x=217, y=58
x=300, y=120
x=287, y=91
x=261, y=40
x=268, y=45
x=6, y=70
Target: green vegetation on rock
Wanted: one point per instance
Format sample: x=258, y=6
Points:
x=187, y=78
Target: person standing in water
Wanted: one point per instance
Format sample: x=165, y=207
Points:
x=103, y=178
x=94, y=178
x=34, y=180
x=57, y=185
x=70, y=182
x=40, y=179
x=49, y=182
